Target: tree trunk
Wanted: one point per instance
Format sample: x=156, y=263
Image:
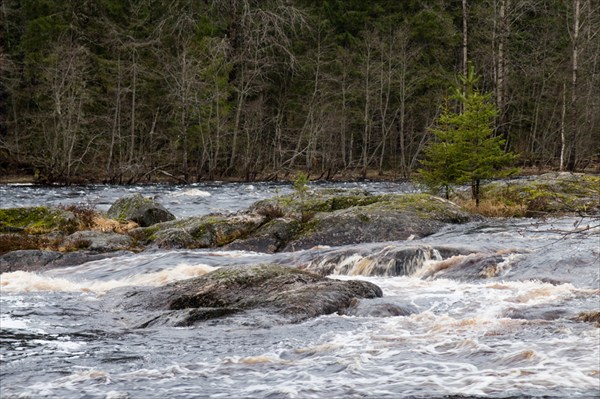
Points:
x=573, y=108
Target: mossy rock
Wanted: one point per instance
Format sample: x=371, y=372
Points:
x=296, y=205
x=37, y=220
x=551, y=193
x=201, y=231
x=391, y=218
x=144, y=211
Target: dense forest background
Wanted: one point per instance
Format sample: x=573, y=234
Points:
x=131, y=90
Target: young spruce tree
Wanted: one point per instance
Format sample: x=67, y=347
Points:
x=464, y=149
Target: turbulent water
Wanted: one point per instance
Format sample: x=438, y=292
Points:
x=510, y=330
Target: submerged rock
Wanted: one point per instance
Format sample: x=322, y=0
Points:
x=282, y=293
x=380, y=308
x=144, y=211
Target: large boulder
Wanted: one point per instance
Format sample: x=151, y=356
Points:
x=281, y=293
x=390, y=218
x=144, y=211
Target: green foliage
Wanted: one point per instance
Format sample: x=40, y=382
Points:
x=465, y=150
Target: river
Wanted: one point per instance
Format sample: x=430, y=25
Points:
x=512, y=333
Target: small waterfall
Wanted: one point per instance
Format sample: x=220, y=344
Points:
x=391, y=260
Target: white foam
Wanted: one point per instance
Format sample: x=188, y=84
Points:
x=21, y=281
x=8, y=322
x=192, y=192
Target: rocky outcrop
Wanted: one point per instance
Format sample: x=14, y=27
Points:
x=278, y=293
x=322, y=217
x=550, y=193
x=144, y=211
x=207, y=231
x=390, y=218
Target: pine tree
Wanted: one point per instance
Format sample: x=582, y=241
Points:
x=465, y=150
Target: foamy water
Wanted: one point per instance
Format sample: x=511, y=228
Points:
x=490, y=310
x=20, y=281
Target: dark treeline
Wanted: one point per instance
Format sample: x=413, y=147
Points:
x=124, y=91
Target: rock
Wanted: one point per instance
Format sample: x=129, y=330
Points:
x=298, y=206
x=37, y=220
x=379, y=308
x=550, y=193
x=270, y=238
x=173, y=238
x=323, y=217
x=391, y=218
x=38, y=260
x=200, y=232
x=27, y=260
x=143, y=211
x=286, y=294
x=373, y=260
x=470, y=267
x=98, y=241
x=537, y=313
x=592, y=316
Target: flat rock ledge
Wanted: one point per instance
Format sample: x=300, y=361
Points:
x=278, y=293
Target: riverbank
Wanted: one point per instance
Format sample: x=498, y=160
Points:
x=287, y=176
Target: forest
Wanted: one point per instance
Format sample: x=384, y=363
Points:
x=126, y=91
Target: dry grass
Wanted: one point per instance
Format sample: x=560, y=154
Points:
x=492, y=207
x=91, y=219
x=100, y=223
x=14, y=242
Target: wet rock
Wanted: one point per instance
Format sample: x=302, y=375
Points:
x=299, y=206
x=590, y=317
x=468, y=268
x=98, y=241
x=321, y=217
x=373, y=260
x=143, y=211
x=27, y=260
x=287, y=294
x=270, y=238
x=537, y=313
x=38, y=260
x=379, y=308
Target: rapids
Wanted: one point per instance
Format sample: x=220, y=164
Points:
x=489, y=310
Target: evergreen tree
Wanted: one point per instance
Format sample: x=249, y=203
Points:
x=465, y=149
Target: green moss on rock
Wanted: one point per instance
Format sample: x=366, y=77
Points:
x=37, y=220
x=552, y=193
